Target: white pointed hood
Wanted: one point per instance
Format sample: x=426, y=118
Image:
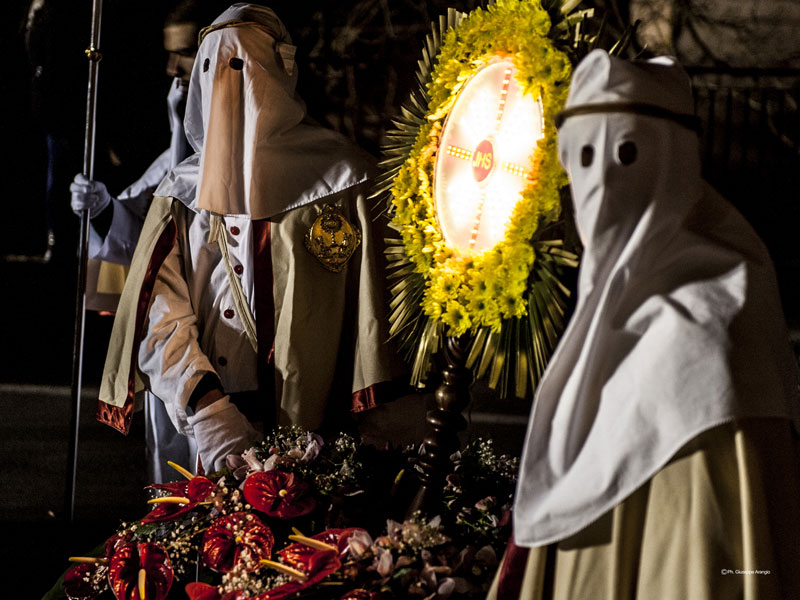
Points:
x=678, y=326
x=256, y=153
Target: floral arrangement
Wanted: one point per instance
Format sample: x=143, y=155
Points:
x=509, y=299
x=471, y=289
x=296, y=517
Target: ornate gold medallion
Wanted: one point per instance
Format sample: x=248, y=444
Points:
x=332, y=238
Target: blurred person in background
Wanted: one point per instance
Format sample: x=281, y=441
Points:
x=116, y=222
x=54, y=47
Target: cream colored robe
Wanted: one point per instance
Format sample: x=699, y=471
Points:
x=327, y=325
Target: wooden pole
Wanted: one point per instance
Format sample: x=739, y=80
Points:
x=445, y=421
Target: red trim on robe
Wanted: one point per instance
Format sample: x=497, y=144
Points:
x=265, y=318
x=512, y=571
x=369, y=397
x=119, y=417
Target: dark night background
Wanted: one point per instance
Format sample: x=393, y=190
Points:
x=357, y=63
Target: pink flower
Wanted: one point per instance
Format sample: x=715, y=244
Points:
x=359, y=543
x=278, y=494
x=236, y=539
x=244, y=464
x=486, y=503
x=384, y=563
x=429, y=577
x=313, y=447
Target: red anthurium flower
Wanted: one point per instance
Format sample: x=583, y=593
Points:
x=297, y=555
x=184, y=497
x=202, y=591
x=234, y=539
x=173, y=488
x=278, y=494
x=200, y=488
x=140, y=566
x=81, y=582
x=87, y=579
x=114, y=543
x=321, y=564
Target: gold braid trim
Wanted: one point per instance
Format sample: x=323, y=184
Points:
x=217, y=235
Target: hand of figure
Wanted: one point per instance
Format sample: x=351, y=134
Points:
x=88, y=195
x=176, y=101
x=219, y=430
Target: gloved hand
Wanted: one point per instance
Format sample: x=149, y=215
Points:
x=219, y=430
x=176, y=102
x=88, y=195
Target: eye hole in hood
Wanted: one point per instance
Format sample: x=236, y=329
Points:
x=626, y=153
x=587, y=155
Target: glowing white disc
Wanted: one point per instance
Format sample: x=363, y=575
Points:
x=483, y=161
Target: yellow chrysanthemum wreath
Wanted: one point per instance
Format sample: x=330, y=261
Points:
x=509, y=300
x=472, y=289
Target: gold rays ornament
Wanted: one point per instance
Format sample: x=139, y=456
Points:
x=473, y=186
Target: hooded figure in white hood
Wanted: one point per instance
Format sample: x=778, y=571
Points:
x=255, y=294
x=661, y=451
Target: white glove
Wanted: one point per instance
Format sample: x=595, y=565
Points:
x=219, y=430
x=88, y=195
x=176, y=102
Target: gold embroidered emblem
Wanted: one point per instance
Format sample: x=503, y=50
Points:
x=332, y=238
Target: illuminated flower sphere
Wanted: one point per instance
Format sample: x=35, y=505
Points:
x=473, y=185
